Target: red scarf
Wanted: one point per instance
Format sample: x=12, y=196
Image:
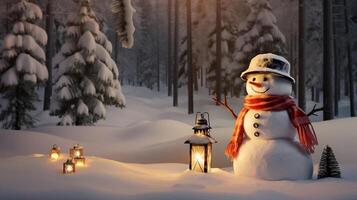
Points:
x=298, y=118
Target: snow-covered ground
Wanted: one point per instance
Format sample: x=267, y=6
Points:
x=150, y=133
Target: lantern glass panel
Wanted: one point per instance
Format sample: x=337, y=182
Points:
x=81, y=161
x=68, y=168
x=209, y=157
x=76, y=152
x=198, y=158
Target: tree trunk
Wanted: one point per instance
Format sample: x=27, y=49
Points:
x=176, y=51
x=350, y=79
x=137, y=67
x=218, y=49
x=317, y=97
x=201, y=71
x=195, y=77
x=189, y=58
x=169, y=52
x=337, y=75
x=349, y=63
x=301, y=81
x=157, y=46
x=49, y=55
x=346, y=91
x=312, y=94
x=328, y=70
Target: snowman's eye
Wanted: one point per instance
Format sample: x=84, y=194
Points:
x=265, y=79
x=253, y=79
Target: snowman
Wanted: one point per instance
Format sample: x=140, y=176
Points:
x=272, y=137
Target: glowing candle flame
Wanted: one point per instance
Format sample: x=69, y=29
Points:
x=54, y=156
x=77, y=153
x=69, y=168
x=199, y=157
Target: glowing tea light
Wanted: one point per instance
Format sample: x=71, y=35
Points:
x=80, y=161
x=69, y=167
x=201, y=145
x=55, y=152
x=76, y=151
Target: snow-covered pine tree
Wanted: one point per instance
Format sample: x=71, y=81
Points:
x=314, y=43
x=227, y=66
x=328, y=165
x=146, y=54
x=86, y=77
x=124, y=11
x=259, y=33
x=22, y=65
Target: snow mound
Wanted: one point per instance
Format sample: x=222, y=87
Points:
x=107, y=179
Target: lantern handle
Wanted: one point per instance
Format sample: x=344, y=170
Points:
x=209, y=121
x=196, y=116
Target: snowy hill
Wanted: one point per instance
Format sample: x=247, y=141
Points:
x=151, y=133
x=107, y=179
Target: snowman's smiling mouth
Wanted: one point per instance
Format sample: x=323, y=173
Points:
x=260, y=91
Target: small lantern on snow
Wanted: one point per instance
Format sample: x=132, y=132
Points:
x=80, y=161
x=55, y=152
x=201, y=145
x=69, y=167
x=76, y=151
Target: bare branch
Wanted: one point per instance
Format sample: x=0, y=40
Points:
x=225, y=104
x=314, y=110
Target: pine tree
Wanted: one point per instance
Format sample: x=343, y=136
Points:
x=259, y=33
x=124, y=11
x=86, y=77
x=147, y=75
x=227, y=44
x=22, y=65
x=328, y=165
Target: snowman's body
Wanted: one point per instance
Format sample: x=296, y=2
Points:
x=270, y=149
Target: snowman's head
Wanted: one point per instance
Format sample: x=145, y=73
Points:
x=268, y=84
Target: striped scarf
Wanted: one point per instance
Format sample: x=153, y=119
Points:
x=297, y=117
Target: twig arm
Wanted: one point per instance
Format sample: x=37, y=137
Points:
x=315, y=110
x=225, y=104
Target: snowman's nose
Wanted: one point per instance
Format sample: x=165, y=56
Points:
x=259, y=85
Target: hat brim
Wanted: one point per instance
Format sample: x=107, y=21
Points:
x=265, y=71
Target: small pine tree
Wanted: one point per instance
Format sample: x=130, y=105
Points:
x=328, y=165
x=86, y=77
x=22, y=65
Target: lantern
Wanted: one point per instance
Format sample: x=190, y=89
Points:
x=55, y=152
x=76, y=151
x=80, y=161
x=201, y=145
x=69, y=167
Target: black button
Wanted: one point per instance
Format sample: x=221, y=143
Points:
x=256, y=134
x=256, y=125
x=256, y=115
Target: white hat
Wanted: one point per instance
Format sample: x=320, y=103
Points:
x=268, y=63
